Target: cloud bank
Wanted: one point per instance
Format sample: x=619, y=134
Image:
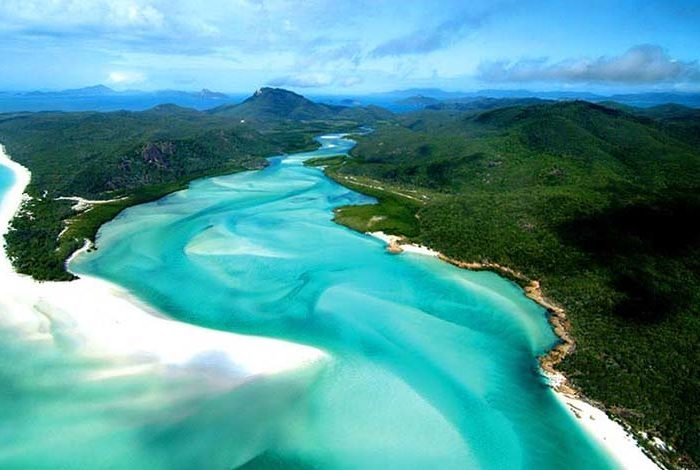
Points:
x=314, y=80
x=237, y=45
x=431, y=39
x=68, y=15
x=642, y=64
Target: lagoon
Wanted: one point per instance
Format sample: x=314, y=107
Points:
x=431, y=366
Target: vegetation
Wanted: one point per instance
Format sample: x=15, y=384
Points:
x=32, y=240
x=594, y=202
x=269, y=105
x=136, y=157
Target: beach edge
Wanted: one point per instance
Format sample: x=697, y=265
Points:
x=615, y=437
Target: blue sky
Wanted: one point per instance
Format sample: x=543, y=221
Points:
x=339, y=46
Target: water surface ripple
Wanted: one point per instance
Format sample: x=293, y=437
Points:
x=433, y=366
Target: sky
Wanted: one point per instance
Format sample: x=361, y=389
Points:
x=347, y=47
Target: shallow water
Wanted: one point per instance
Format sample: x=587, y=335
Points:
x=6, y=179
x=432, y=366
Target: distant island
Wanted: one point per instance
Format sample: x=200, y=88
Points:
x=103, y=98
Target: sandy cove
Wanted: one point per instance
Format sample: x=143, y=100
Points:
x=613, y=436
x=395, y=245
x=121, y=336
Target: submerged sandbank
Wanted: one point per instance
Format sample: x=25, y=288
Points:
x=612, y=436
x=114, y=336
x=110, y=318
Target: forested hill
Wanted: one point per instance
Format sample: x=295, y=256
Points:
x=552, y=146
x=96, y=154
x=270, y=105
x=141, y=156
x=595, y=202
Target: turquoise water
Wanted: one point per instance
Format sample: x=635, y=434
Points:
x=432, y=366
x=6, y=179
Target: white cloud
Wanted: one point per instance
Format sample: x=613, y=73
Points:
x=309, y=43
x=131, y=14
x=316, y=80
x=643, y=64
x=350, y=81
x=59, y=15
x=121, y=77
x=306, y=80
x=427, y=40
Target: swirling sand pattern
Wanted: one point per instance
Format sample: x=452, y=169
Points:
x=433, y=366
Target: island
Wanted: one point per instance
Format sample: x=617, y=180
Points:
x=585, y=206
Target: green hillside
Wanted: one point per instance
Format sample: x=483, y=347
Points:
x=270, y=105
x=594, y=202
x=140, y=156
x=89, y=154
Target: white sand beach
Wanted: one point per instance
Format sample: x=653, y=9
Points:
x=404, y=247
x=610, y=434
x=102, y=320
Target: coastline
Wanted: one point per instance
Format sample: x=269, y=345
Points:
x=106, y=321
x=394, y=245
x=10, y=203
x=610, y=434
x=95, y=319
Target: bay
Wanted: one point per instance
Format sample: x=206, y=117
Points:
x=432, y=366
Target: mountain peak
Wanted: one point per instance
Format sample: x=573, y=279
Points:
x=269, y=91
x=274, y=104
x=279, y=100
x=209, y=94
x=93, y=90
x=268, y=104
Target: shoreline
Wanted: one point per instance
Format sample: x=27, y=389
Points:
x=394, y=245
x=94, y=319
x=618, y=441
x=128, y=330
x=82, y=204
x=10, y=203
